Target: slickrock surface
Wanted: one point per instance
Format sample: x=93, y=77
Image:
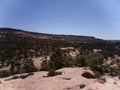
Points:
x=70, y=79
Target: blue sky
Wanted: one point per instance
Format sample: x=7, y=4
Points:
x=99, y=18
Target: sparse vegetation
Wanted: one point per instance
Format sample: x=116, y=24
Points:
x=14, y=77
x=88, y=75
x=23, y=76
x=97, y=74
x=81, y=60
x=30, y=69
x=17, y=51
x=51, y=69
x=4, y=74
x=94, y=60
x=82, y=86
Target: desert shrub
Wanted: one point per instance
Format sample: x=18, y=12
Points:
x=56, y=62
x=81, y=61
x=114, y=71
x=29, y=67
x=24, y=76
x=119, y=68
x=69, y=62
x=4, y=74
x=82, y=86
x=87, y=75
x=106, y=68
x=15, y=77
x=31, y=73
x=58, y=73
x=94, y=60
x=51, y=68
x=58, y=59
x=119, y=77
x=97, y=74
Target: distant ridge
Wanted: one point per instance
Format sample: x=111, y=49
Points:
x=67, y=38
x=114, y=41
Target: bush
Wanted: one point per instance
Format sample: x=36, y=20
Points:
x=69, y=62
x=29, y=67
x=82, y=86
x=24, y=76
x=31, y=73
x=97, y=75
x=4, y=74
x=114, y=71
x=105, y=68
x=119, y=77
x=81, y=61
x=15, y=77
x=51, y=69
x=88, y=75
x=58, y=59
x=94, y=60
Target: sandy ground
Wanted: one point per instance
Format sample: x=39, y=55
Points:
x=69, y=80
